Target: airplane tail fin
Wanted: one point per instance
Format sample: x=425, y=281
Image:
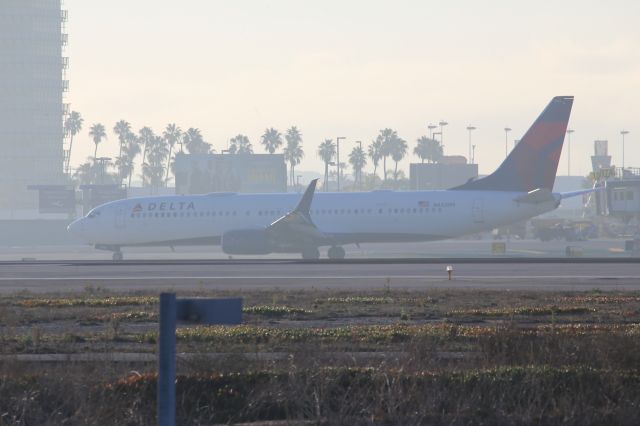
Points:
x=534, y=161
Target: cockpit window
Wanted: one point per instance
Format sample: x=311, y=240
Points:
x=93, y=213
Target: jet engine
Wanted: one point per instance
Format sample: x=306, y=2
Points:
x=246, y=241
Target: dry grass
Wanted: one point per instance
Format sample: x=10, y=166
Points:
x=436, y=357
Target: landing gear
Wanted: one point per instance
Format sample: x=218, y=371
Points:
x=311, y=253
x=336, y=252
x=117, y=256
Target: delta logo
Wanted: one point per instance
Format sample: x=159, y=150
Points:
x=137, y=208
x=182, y=205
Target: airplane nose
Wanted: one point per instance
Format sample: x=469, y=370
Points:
x=76, y=227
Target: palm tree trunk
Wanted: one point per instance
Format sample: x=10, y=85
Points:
x=68, y=168
x=384, y=166
x=166, y=178
x=326, y=177
x=95, y=153
x=395, y=176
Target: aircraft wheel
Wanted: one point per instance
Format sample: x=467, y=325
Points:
x=311, y=253
x=336, y=252
x=117, y=256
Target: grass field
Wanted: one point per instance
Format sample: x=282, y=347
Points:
x=326, y=357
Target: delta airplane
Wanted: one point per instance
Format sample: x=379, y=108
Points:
x=259, y=224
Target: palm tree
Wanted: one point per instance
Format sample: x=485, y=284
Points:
x=72, y=126
x=153, y=169
x=358, y=160
x=194, y=142
x=326, y=151
x=293, y=152
x=125, y=162
x=145, y=138
x=398, y=151
x=271, y=139
x=422, y=148
x=375, y=153
x=240, y=145
x=386, y=139
x=121, y=129
x=97, y=133
x=172, y=135
x=428, y=149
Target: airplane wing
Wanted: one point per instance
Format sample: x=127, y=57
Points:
x=297, y=224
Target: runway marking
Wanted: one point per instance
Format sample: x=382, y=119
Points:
x=346, y=277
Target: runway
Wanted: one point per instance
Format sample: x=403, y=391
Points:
x=505, y=274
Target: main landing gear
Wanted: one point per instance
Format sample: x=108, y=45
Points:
x=336, y=252
x=117, y=256
x=311, y=253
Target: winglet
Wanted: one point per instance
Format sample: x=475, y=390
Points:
x=304, y=205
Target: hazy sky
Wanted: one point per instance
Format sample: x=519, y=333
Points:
x=350, y=68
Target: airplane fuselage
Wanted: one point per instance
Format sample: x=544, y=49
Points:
x=378, y=216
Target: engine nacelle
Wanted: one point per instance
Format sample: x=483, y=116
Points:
x=246, y=241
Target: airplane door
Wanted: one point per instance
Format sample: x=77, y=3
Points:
x=120, y=217
x=477, y=211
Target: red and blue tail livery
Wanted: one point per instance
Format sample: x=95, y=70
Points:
x=534, y=161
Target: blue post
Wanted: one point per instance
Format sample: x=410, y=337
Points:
x=167, y=361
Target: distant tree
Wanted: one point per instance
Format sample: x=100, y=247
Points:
x=386, y=138
x=125, y=163
x=398, y=150
x=374, y=151
x=94, y=172
x=194, y=142
x=121, y=129
x=153, y=169
x=428, y=149
x=145, y=138
x=72, y=126
x=293, y=152
x=271, y=139
x=240, y=144
x=172, y=134
x=358, y=160
x=97, y=133
x=326, y=151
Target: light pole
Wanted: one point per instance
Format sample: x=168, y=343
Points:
x=623, y=133
x=470, y=129
x=569, y=131
x=102, y=161
x=506, y=137
x=431, y=127
x=338, y=158
x=298, y=180
x=359, y=176
x=442, y=123
x=473, y=154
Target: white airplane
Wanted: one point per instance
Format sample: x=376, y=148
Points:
x=258, y=224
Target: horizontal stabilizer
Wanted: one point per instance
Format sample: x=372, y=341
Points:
x=537, y=196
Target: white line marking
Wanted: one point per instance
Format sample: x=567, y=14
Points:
x=312, y=277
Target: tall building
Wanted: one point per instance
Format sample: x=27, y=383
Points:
x=32, y=85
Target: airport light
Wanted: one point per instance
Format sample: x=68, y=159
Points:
x=506, y=138
x=449, y=271
x=569, y=132
x=442, y=123
x=623, y=133
x=338, y=158
x=470, y=129
x=473, y=154
x=431, y=127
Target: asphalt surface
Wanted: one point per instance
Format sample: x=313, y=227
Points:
x=524, y=274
